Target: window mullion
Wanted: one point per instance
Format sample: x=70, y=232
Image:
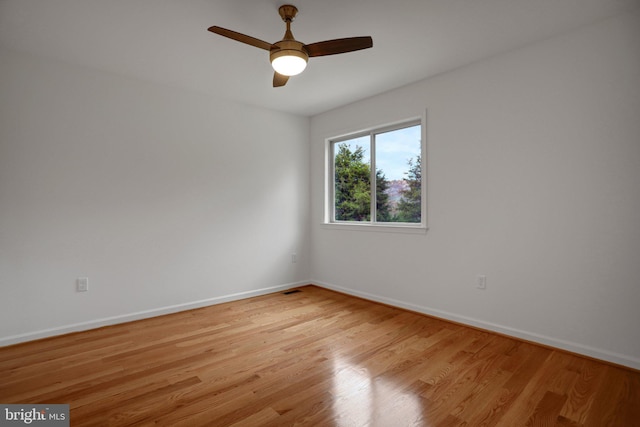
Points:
x=332, y=189
x=374, y=186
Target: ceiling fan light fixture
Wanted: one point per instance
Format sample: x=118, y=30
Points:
x=289, y=62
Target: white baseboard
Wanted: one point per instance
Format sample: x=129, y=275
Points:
x=596, y=353
x=107, y=321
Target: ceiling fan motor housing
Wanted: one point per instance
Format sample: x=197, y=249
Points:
x=287, y=48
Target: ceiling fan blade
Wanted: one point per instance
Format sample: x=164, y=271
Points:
x=243, y=38
x=332, y=47
x=279, y=80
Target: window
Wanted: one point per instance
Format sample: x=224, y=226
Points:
x=375, y=177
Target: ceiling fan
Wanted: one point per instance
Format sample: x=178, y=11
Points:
x=289, y=56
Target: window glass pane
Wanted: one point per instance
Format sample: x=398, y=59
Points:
x=399, y=175
x=352, y=167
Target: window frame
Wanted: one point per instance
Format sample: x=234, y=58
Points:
x=373, y=224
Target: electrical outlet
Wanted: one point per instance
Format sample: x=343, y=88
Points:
x=481, y=282
x=294, y=258
x=82, y=284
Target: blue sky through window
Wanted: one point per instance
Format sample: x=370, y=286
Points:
x=395, y=148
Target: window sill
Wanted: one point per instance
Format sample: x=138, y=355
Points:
x=402, y=229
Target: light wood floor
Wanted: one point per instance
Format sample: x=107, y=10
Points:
x=313, y=358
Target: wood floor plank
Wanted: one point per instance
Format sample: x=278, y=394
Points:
x=546, y=412
x=580, y=396
x=313, y=358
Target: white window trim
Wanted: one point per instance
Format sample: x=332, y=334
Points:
x=329, y=221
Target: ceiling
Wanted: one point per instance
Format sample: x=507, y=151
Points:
x=166, y=41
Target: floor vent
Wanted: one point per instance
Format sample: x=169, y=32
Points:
x=293, y=291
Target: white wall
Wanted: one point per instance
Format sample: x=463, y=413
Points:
x=533, y=180
x=165, y=199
